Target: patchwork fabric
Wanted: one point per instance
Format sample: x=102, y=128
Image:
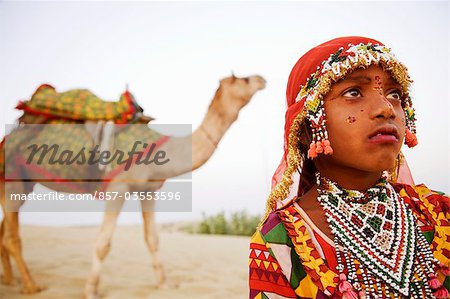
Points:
x=274, y=240
x=432, y=210
x=79, y=104
x=265, y=272
x=288, y=242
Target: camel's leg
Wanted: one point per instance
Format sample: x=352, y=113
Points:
x=7, y=277
x=152, y=240
x=12, y=243
x=102, y=246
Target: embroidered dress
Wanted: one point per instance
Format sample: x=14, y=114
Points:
x=289, y=258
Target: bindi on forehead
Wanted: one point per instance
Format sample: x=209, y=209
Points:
x=378, y=85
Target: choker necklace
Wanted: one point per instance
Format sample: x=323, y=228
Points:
x=380, y=250
x=353, y=196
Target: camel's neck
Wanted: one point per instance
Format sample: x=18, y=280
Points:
x=220, y=116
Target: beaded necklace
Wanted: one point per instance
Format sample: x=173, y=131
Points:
x=380, y=250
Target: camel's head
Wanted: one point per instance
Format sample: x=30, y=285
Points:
x=238, y=91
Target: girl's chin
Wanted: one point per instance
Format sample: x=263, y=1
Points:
x=377, y=163
x=383, y=165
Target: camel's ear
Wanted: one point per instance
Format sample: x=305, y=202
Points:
x=233, y=77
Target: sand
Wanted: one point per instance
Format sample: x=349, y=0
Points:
x=202, y=266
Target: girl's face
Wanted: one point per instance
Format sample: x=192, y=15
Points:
x=365, y=120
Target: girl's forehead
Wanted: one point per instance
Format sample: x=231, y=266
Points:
x=373, y=74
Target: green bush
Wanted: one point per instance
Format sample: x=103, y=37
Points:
x=238, y=223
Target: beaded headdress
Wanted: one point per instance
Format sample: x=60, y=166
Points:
x=310, y=80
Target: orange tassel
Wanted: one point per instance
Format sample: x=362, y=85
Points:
x=410, y=139
x=344, y=285
x=362, y=294
x=435, y=283
x=312, y=151
x=441, y=293
x=350, y=294
x=319, y=147
x=328, y=150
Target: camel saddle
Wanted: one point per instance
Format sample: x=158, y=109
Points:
x=77, y=105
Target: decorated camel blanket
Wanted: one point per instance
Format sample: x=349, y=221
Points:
x=64, y=139
x=79, y=104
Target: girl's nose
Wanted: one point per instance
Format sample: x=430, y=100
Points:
x=383, y=107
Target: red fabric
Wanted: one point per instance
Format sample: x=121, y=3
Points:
x=404, y=175
x=328, y=250
x=309, y=62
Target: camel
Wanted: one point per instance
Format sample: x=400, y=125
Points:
x=232, y=95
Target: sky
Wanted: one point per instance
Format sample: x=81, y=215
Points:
x=173, y=54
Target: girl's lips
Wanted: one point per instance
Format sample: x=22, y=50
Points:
x=383, y=138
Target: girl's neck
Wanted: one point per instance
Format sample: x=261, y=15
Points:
x=350, y=178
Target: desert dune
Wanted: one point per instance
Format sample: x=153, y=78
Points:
x=200, y=266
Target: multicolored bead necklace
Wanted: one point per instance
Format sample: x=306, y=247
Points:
x=381, y=252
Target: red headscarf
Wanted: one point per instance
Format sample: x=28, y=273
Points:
x=302, y=70
x=285, y=183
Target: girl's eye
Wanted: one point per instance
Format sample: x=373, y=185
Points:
x=352, y=93
x=394, y=95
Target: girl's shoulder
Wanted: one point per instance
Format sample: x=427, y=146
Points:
x=275, y=228
x=419, y=191
x=272, y=230
x=430, y=206
x=432, y=209
x=284, y=234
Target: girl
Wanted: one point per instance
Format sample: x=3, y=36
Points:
x=344, y=218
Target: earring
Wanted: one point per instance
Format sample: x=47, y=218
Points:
x=410, y=119
x=320, y=143
x=393, y=173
